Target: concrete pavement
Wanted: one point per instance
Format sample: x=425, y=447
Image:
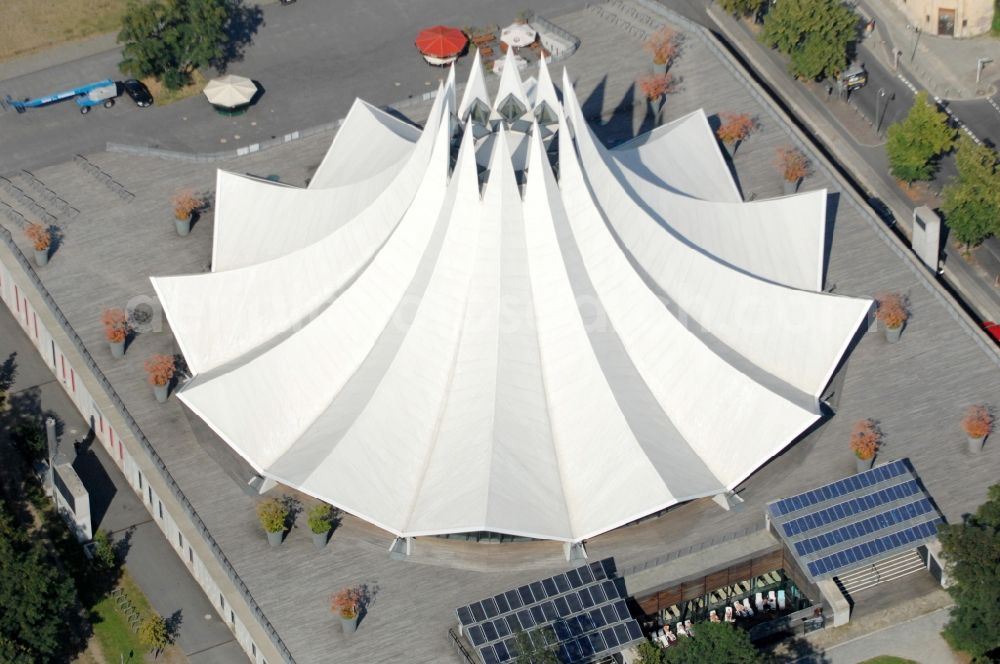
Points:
x=201, y=634
x=918, y=639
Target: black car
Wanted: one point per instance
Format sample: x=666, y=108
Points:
x=138, y=91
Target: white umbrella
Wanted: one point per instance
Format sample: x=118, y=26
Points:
x=518, y=34
x=230, y=91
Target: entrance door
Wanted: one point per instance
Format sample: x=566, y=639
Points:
x=946, y=22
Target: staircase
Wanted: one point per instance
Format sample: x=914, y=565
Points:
x=888, y=569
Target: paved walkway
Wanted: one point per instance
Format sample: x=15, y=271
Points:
x=918, y=639
x=944, y=65
x=202, y=636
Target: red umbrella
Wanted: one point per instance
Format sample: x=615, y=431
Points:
x=441, y=41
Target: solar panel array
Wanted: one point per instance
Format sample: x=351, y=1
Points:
x=856, y=521
x=581, y=615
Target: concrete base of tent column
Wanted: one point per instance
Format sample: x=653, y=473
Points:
x=840, y=607
x=401, y=548
x=728, y=501
x=575, y=552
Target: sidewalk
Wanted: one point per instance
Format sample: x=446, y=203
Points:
x=944, y=65
x=202, y=636
x=831, y=133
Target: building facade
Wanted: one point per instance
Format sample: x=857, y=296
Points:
x=949, y=18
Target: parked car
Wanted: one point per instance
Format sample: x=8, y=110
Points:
x=138, y=91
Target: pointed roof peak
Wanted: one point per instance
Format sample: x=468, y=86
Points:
x=475, y=88
x=510, y=83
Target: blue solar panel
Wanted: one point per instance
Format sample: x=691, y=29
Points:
x=849, y=508
x=501, y=603
x=876, y=546
x=869, y=478
x=570, y=611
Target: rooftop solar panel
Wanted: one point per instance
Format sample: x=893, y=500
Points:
x=850, y=522
x=581, y=613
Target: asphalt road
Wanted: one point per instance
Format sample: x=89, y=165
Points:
x=311, y=58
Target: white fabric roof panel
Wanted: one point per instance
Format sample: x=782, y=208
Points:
x=454, y=356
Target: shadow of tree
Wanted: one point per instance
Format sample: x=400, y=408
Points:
x=244, y=21
x=367, y=592
x=174, y=622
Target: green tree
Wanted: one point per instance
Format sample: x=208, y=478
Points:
x=972, y=552
x=917, y=140
x=972, y=201
x=530, y=651
x=170, y=39
x=37, y=599
x=105, y=557
x=153, y=633
x=712, y=643
x=813, y=33
x=742, y=7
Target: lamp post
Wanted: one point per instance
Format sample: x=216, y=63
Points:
x=980, y=63
x=879, y=110
x=915, y=30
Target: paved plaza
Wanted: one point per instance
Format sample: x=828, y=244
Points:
x=916, y=389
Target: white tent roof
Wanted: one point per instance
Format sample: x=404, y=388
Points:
x=529, y=356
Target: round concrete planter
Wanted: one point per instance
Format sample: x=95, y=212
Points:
x=320, y=539
x=349, y=625
x=892, y=334
x=864, y=464
x=183, y=226
x=42, y=257
x=975, y=444
x=274, y=539
x=790, y=186
x=659, y=68
x=117, y=348
x=160, y=392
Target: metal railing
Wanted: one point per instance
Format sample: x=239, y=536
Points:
x=688, y=550
x=133, y=426
x=460, y=647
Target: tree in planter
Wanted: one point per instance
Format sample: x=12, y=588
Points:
x=866, y=437
x=662, y=45
x=272, y=514
x=41, y=240
x=892, y=310
x=153, y=633
x=169, y=40
x=914, y=142
x=971, y=203
x=793, y=165
x=714, y=643
x=972, y=552
x=813, y=33
x=115, y=322
x=734, y=129
x=346, y=603
x=160, y=369
x=656, y=86
x=977, y=421
x=742, y=7
x=185, y=203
